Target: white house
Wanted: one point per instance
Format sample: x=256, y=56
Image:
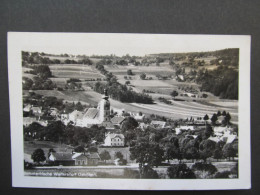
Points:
x=113, y=139
x=27, y=108
x=36, y=110
x=158, y=124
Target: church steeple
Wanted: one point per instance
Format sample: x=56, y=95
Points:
x=105, y=96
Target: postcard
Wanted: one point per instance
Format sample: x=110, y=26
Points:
x=129, y=111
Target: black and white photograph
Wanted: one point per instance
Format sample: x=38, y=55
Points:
x=143, y=111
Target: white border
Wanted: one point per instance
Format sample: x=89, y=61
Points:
x=18, y=41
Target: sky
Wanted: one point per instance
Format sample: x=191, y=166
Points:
x=122, y=44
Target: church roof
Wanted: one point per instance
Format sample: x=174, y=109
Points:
x=91, y=113
x=76, y=114
x=117, y=119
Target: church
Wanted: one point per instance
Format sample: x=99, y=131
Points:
x=93, y=116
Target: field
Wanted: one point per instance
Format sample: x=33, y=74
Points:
x=178, y=109
x=108, y=171
x=190, y=107
x=78, y=71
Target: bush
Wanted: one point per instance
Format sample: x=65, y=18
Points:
x=28, y=165
x=224, y=174
x=180, y=171
x=149, y=173
x=204, y=170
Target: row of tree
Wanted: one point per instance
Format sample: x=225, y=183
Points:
x=57, y=132
x=39, y=58
x=118, y=91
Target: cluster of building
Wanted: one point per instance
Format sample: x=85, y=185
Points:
x=74, y=158
x=101, y=116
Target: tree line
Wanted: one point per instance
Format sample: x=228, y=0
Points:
x=118, y=91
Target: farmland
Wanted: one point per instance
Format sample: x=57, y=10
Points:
x=74, y=71
x=160, y=88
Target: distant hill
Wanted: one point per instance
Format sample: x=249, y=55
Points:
x=221, y=57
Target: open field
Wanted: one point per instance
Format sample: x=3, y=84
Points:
x=108, y=171
x=164, y=70
x=78, y=71
x=162, y=88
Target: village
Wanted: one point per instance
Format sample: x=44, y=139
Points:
x=118, y=126
x=128, y=122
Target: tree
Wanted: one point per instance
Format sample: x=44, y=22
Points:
x=172, y=152
x=148, y=153
x=229, y=151
x=129, y=124
x=213, y=119
x=206, y=149
x=38, y=155
x=180, y=171
x=119, y=155
x=92, y=149
x=174, y=94
x=217, y=154
x=127, y=82
x=143, y=76
x=27, y=83
x=79, y=106
x=206, y=117
x=227, y=118
x=203, y=170
x=79, y=149
x=148, y=173
x=105, y=155
x=43, y=71
x=129, y=72
x=224, y=174
x=191, y=153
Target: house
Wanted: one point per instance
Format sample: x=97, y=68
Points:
x=113, y=139
x=64, y=159
x=158, y=124
x=27, y=108
x=54, y=112
x=220, y=131
x=181, y=128
x=138, y=116
x=93, y=158
x=143, y=126
x=29, y=120
x=36, y=110
x=71, y=159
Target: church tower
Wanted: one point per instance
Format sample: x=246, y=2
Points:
x=104, y=108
